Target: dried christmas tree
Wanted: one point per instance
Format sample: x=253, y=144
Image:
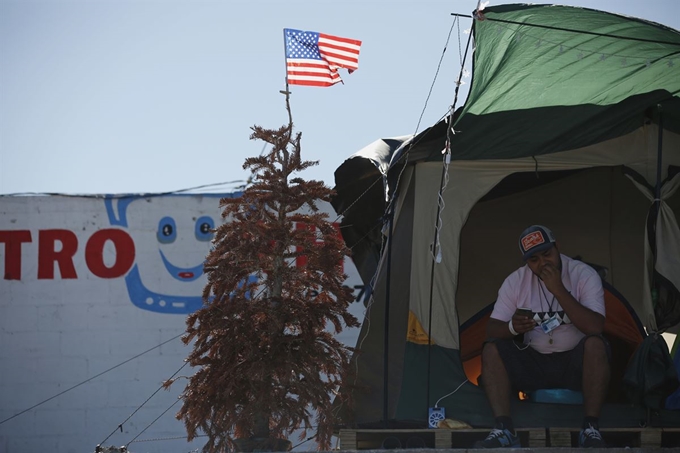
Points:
x=263, y=343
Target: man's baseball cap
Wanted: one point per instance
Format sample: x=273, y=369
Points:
x=534, y=239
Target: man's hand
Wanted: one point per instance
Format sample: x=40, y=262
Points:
x=522, y=323
x=552, y=278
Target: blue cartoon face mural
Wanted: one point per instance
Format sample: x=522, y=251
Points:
x=172, y=235
x=170, y=248
x=167, y=234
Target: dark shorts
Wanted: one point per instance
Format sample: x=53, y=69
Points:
x=529, y=370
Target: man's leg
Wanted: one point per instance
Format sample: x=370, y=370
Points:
x=495, y=380
x=497, y=387
x=595, y=381
x=595, y=375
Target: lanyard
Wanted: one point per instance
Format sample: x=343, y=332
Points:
x=549, y=304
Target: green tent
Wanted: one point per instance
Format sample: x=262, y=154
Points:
x=572, y=121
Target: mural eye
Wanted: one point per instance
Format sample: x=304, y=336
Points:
x=204, y=228
x=167, y=230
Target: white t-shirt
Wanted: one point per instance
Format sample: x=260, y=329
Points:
x=524, y=289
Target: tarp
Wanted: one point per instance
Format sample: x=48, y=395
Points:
x=550, y=78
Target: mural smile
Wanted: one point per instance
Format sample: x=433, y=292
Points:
x=181, y=273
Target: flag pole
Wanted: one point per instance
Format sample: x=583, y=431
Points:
x=286, y=91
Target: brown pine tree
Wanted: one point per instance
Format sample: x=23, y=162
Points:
x=263, y=343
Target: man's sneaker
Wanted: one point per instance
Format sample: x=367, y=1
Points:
x=499, y=438
x=590, y=437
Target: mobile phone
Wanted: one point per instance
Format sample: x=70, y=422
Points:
x=525, y=312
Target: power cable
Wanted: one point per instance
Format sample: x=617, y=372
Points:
x=89, y=379
x=120, y=425
x=303, y=442
x=141, y=194
x=155, y=420
x=156, y=439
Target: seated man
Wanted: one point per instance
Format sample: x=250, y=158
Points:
x=563, y=345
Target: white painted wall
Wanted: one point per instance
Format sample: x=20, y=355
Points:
x=60, y=330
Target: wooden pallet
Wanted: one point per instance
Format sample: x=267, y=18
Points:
x=619, y=437
x=372, y=439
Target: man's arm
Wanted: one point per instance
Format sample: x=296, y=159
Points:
x=501, y=329
x=586, y=320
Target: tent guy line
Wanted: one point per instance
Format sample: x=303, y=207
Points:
x=415, y=139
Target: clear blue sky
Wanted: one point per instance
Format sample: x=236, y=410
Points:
x=154, y=96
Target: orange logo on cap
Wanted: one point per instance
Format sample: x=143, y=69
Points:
x=531, y=240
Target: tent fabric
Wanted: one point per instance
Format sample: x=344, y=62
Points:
x=666, y=260
x=550, y=139
x=512, y=57
x=562, y=80
x=365, y=176
x=572, y=88
x=469, y=181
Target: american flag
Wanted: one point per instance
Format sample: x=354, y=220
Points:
x=314, y=58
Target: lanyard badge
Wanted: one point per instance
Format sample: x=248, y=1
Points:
x=550, y=324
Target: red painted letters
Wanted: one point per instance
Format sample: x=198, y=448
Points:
x=125, y=253
x=58, y=246
x=13, y=241
x=48, y=254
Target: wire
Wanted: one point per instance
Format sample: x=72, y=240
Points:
x=457, y=388
x=141, y=194
x=414, y=141
x=155, y=420
x=436, y=74
x=377, y=180
x=406, y=153
x=88, y=380
x=120, y=425
x=156, y=439
x=303, y=442
x=204, y=186
x=436, y=250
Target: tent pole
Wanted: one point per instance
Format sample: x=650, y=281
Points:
x=388, y=283
x=429, y=319
x=657, y=202
x=659, y=155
